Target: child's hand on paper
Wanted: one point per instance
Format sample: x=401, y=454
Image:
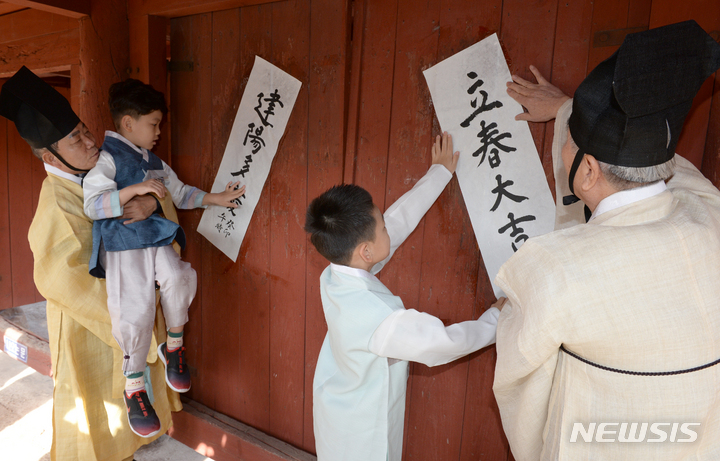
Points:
x=232, y=191
x=442, y=152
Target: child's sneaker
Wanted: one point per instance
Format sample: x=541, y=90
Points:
x=141, y=415
x=177, y=374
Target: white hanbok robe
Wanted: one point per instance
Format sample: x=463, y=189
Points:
x=361, y=374
x=636, y=289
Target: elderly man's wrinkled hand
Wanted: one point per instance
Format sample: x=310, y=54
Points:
x=542, y=99
x=139, y=208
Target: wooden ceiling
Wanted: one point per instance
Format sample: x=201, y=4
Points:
x=6, y=8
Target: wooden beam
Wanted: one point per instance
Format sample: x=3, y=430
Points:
x=38, y=350
x=148, y=50
x=72, y=8
x=45, y=53
x=33, y=23
x=148, y=63
x=177, y=8
x=103, y=60
x=7, y=8
x=215, y=435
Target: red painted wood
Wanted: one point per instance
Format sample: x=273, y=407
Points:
x=212, y=435
x=572, y=44
x=639, y=13
x=411, y=136
x=103, y=58
x=528, y=36
x=569, y=66
x=711, y=159
x=30, y=23
x=373, y=126
x=221, y=306
x=449, y=276
x=191, y=96
x=355, y=46
x=254, y=259
x=148, y=63
x=7, y=8
x=38, y=176
x=44, y=53
x=21, y=211
x=71, y=8
x=408, y=158
x=288, y=195
x=606, y=16
x=6, y=300
x=326, y=125
x=178, y=8
x=461, y=282
x=691, y=144
x=38, y=351
x=707, y=14
x=411, y=125
x=372, y=103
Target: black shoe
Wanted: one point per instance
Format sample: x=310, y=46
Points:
x=177, y=374
x=141, y=415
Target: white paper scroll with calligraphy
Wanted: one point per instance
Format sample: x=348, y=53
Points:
x=259, y=125
x=499, y=171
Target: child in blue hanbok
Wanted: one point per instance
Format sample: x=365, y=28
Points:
x=134, y=256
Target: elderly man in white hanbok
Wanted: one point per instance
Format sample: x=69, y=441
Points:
x=608, y=346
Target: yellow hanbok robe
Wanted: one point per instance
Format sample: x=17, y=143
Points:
x=89, y=416
x=636, y=289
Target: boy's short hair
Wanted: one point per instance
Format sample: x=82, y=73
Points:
x=339, y=220
x=134, y=98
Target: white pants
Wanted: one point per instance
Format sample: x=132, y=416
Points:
x=130, y=277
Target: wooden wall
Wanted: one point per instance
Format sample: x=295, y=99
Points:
x=364, y=115
x=21, y=175
x=82, y=57
x=25, y=39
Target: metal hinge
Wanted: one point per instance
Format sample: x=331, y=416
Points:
x=613, y=37
x=180, y=66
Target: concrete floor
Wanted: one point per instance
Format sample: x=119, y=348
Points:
x=25, y=424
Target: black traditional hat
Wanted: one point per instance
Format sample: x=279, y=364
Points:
x=630, y=109
x=41, y=114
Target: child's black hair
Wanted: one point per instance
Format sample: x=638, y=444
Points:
x=134, y=98
x=339, y=220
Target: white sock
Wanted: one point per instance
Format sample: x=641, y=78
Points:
x=134, y=384
x=174, y=343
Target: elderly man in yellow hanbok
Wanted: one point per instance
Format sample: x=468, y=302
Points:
x=89, y=418
x=609, y=345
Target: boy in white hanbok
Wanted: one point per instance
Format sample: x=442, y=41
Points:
x=362, y=371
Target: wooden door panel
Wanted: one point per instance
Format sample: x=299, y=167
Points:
x=363, y=115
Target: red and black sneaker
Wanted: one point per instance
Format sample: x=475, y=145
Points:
x=141, y=415
x=177, y=374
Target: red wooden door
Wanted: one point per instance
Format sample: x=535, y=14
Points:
x=364, y=115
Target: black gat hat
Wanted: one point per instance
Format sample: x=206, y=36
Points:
x=41, y=114
x=630, y=109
